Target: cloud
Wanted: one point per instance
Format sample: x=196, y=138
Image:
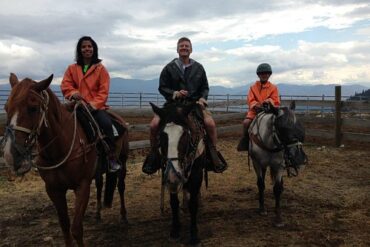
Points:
x=138, y=38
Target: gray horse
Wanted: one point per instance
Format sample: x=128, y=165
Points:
x=276, y=138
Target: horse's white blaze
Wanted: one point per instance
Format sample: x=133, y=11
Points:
x=174, y=133
x=8, y=157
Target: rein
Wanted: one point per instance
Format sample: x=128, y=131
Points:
x=71, y=148
x=257, y=139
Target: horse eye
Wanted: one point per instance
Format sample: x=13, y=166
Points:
x=32, y=109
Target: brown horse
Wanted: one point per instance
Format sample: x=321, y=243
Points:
x=65, y=159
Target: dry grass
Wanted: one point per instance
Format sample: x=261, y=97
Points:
x=327, y=205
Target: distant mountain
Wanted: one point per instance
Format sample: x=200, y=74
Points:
x=121, y=85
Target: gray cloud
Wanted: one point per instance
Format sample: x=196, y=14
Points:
x=137, y=38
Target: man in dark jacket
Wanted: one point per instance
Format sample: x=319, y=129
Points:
x=183, y=78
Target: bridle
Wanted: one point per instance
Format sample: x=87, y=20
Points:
x=188, y=160
x=25, y=150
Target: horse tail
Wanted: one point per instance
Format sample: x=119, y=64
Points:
x=123, y=156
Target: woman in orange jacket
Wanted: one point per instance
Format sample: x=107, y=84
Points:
x=262, y=91
x=88, y=80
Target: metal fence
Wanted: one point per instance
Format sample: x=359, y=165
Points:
x=217, y=102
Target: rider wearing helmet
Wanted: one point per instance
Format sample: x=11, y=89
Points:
x=262, y=91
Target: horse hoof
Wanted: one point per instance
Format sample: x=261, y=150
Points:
x=124, y=221
x=262, y=212
x=279, y=224
x=174, y=236
x=195, y=242
x=97, y=217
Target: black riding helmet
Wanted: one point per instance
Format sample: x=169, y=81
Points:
x=264, y=67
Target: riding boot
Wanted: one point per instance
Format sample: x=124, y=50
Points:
x=217, y=160
x=114, y=164
x=153, y=160
x=244, y=141
x=110, y=149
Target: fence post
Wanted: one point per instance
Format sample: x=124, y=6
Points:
x=338, y=119
x=213, y=103
x=322, y=106
x=227, y=104
x=140, y=99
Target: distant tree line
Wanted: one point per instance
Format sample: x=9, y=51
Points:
x=364, y=95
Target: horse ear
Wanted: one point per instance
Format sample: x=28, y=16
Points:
x=157, y=110
x=292, y=105
x=44, y=84
x=13, y=79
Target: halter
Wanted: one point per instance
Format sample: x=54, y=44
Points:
x=26, y=150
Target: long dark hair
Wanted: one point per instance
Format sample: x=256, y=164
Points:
x=79, y=58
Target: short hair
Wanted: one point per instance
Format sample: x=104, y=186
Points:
x=183, y=39
x=79, y=58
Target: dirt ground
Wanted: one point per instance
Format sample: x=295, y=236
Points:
x=327, y=205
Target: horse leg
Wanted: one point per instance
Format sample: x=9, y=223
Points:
x=99, y=188
x=82, y=198
x=194, y=188
x=278, y=189
x=121, y=189
x=261, y=191
x=58, y=197
x=193, y=208
x=175, y=227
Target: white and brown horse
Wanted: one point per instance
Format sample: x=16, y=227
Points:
x=182, y=149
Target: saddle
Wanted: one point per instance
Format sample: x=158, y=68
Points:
x=91, y=128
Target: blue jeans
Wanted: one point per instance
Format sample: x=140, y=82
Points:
x=105, y=123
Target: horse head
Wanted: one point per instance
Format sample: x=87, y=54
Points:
x=180, y=139
x=26, y=110
x=292, y=134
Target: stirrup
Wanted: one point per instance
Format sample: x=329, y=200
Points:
x=113, y=166
x=218, y=163
x=222, y=166
x=243, y=144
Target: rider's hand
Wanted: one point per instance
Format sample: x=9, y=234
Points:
x=202, y=102
x=180, y=94
x=183, y=93
x=76, y=96
x=258, y=107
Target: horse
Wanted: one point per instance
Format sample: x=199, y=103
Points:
x=275, y=141
x=183, y=157
x=65, y=159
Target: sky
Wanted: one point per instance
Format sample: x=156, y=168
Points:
x=305, y=41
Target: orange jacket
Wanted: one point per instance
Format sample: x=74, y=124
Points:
x=258, y=93
x=93, y=85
